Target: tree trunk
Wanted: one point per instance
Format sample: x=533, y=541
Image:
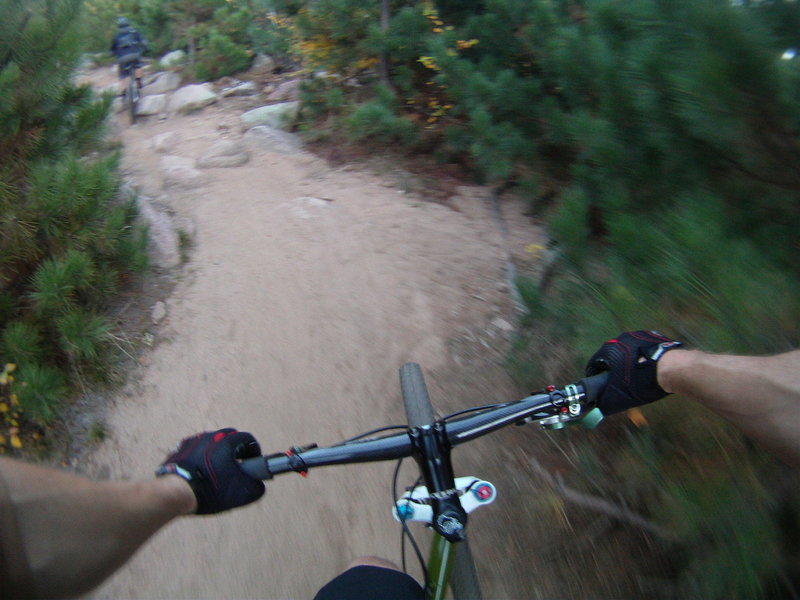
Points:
x=384, y=65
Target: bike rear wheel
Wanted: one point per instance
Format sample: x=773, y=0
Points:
x=419, y=412
x=132, y=97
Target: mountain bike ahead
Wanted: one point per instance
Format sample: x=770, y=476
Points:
x=439, y=499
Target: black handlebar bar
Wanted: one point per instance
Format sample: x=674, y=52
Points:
x=458, y=431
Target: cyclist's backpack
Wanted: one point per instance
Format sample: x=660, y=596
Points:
x=127, y=43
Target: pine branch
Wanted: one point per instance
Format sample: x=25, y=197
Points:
x=6, y=60
x=606, y=507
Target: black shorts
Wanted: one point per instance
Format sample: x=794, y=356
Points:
x=128, y=63
x=370, y=583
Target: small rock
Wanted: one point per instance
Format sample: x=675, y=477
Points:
x=162, y=237
x=151, y=105
x=191, y=97
x=224, y=153
x=286, y=91
x=262, y=65
x=502, y=324
x=164, y=142
x=277, y=116
x=163, y=82
x=158, y=313
x=266, y=138
x=173, y=58
x=171, y=161
x=179, y=172
x=240, y=88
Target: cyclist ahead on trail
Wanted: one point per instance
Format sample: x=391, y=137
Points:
x=128, y=46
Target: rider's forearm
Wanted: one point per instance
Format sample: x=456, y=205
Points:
x=57, y=513
x=759, y=395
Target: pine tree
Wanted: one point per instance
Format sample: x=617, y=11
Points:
x=65, y=240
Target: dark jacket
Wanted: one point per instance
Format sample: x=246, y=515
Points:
x=128, y=41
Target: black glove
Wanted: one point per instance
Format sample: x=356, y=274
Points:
x=208, y=462
x=631, y=361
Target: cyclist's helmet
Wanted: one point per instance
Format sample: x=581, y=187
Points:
x=122, y=22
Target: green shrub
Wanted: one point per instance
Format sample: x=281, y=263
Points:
x=65, y=240
x=42, y=391
x=22, y=343
x=219, y=55
x=377, y=120
x=82, y=335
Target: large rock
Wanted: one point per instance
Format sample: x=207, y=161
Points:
x=171, y=59
x=191, y=97
x=277, y=116
x=151, y=105
x=266, y=138
x=163, y=82
x=285, y=92
x=223, y=154
x=262, y=65
x=179, y=172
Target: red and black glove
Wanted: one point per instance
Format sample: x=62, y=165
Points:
x=208, y=461
x=631, y=360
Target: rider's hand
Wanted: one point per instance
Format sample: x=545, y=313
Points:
x=631, y=360
x=208, y=461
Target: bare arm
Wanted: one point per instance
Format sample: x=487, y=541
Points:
x=759, y=395
x=75, y=532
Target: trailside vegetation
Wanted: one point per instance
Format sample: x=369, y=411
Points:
x=660, y=143
x=66, y=241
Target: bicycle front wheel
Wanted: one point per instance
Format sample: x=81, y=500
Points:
x=419, y=412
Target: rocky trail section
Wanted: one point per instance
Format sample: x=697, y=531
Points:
x=306, y=288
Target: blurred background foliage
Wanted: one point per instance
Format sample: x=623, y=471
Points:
x=658, y=142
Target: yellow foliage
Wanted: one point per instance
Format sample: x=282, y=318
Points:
x=16, y=442
x=535, y=250
x=429, y=63
x=465, y=44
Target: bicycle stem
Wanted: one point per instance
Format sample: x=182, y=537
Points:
x=431, y=450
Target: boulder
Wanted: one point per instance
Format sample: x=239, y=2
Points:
x=262, y=65
x=163, y=82
x=164, y=142
x=277, y=116
x=171, y=59
x=266, y=138
x=224, y=153
x=191, y=97
x=285, y=92
x=240, y=88
x=151, y=105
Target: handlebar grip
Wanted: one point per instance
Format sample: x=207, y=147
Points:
x=594, y=387
x=256, y=467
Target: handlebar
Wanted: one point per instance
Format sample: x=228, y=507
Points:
x=570, y=403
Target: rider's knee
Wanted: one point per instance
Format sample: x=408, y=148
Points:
x=372, y=561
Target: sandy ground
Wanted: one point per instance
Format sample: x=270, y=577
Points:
x=307, y=287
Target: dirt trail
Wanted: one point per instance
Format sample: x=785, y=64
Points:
x=307, y=287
